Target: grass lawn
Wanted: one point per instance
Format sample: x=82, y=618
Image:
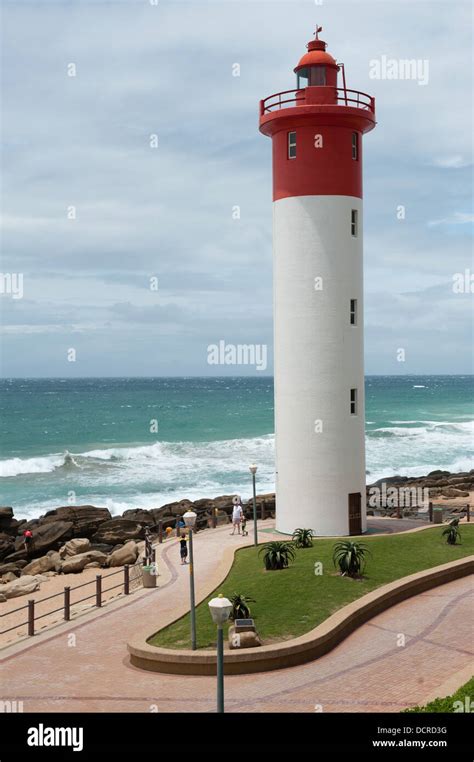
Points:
x=447, y=704
x=292, y=601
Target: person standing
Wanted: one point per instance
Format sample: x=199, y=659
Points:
x=28, y=541
x=183, y=550
x=237, y=514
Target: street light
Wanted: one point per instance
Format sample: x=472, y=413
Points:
x=253, y=471
x=220, y=609
x=190, y=520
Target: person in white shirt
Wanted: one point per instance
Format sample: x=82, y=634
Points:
x=237, y=514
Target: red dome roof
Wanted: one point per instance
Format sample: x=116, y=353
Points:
x=314, y=58
x=316, y=55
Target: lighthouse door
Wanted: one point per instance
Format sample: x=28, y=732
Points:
x=355, y=518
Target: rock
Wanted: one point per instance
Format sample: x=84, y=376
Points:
x=119, y=531
x=12, y=567
x=102, y=546
x=74, y=547
x=127, y=554
x=85, y=519
x=439, y=473
x=77, y=563
x=140, y=516
x=39, y=565
x=450, y=492
x=6, y=514
x=3, y=598
x=92, y=565
x=20, y=586
x=18, y=555
x=47, y=537
x=248, y=639
x=8, y=577
x=6, y=547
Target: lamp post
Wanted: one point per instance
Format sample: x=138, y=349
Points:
x=220, y=609
x=190, y=520
x=253, y=471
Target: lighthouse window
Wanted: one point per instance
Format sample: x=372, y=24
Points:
x=354, y=222
x=355, y=146
x=353, y=401
x=292, y=145
x=353, y=312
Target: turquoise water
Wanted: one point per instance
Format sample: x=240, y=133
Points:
x=209, y=430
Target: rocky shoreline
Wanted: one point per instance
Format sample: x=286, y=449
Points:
x=70, y=539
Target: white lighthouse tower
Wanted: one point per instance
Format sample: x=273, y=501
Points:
x=316, y=133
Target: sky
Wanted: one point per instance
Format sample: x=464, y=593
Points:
x=120, y=183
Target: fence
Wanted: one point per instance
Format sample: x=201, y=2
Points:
x=130, y=582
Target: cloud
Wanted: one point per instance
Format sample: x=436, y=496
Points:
x=166, y=212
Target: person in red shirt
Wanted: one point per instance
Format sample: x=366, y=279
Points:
x=28, y=540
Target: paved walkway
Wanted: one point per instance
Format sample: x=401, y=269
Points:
x=84, y=666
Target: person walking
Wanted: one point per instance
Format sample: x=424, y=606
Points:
x=148, y=546
x=237, y=514
x=183, y=550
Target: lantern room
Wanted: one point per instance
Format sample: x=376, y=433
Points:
x=316, y=68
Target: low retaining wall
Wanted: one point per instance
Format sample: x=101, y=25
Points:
x=308, y=647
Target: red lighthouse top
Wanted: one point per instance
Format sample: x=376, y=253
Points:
x=317, y=129
x=317, y=73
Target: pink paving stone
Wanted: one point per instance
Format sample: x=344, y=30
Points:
x=367, y=672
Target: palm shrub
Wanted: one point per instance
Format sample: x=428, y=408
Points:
x=303, y=538
x=350, y=557
x=240, y=608
x=451, y=532
x=277, y=554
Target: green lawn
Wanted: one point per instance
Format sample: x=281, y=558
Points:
x=292, y=601
x=448, y=704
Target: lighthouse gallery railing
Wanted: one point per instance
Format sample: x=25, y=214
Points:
x=352, y=98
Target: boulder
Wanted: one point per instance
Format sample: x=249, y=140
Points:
x=127, y=554
x=8, y=577
x=102, y=546
x=248, y=639
x=140, y=516
x=7, y=568
x=18, y=555
x=74, y=547
x=85, y=519
x=20, y=586
x=6, y=514
x=450, y=492
x=77, y=563
x=39, y=565
x=119, y=531
x=6, y=547
x=47, y=537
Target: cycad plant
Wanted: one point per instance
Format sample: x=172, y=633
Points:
x=303, y=538
x=452, y=533
x=350, y=557
x=240, y=608
x=277, y=554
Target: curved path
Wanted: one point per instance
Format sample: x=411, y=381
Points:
x=400, y=658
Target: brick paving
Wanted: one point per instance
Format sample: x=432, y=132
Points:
x=83, y=666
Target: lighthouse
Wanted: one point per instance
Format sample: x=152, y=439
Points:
x=316, y=133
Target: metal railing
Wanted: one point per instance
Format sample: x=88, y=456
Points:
x=131, y=581
x=353, y=98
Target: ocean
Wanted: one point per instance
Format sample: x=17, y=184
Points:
x=142, y=442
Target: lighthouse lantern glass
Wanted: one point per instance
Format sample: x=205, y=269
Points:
x=312, y=76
